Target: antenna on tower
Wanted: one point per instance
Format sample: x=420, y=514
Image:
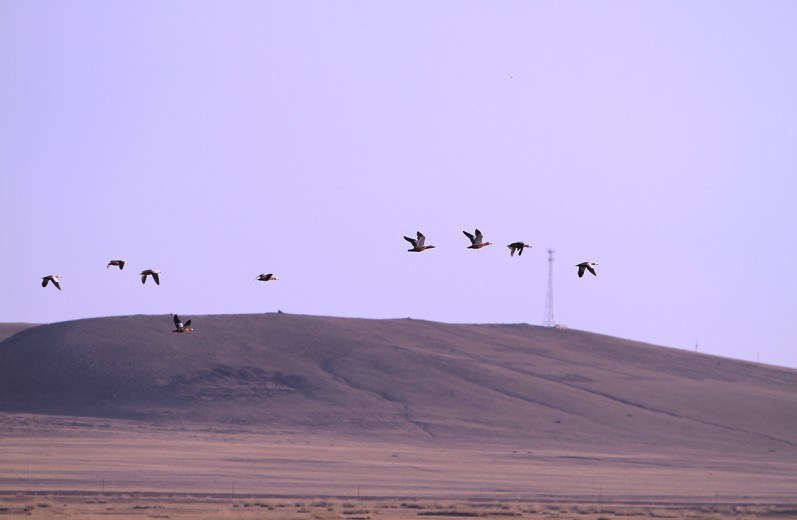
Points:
x=548, y=319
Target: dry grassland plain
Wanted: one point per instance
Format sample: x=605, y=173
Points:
x=142, y=507
x=87, y=468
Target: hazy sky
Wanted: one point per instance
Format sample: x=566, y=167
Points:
x=219, y=140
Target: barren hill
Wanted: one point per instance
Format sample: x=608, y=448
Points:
x=389, y=378
x=9, y=329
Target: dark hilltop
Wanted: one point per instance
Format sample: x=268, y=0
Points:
x=398, y=378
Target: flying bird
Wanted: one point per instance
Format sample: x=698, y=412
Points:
x=476, y=241
x=517, y=246
x=154, y=273
x=589, y=266
x=418, y=244
x=266, y=277
x=51, y=278
x=116, y=263
x=181, y=327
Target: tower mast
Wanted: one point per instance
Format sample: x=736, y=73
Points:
x=548, y=319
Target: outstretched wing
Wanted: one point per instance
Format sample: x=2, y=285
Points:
x=421, y=239
x=57, y=285
x=143, y=278
x=591, y=270
x=155, y=277
x=177, y=323
x=44, y=282
x=411, y=241
x=471, y=237
x=581, y=270
x=188, y=323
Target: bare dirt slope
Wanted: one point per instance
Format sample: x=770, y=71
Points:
x=400, y=379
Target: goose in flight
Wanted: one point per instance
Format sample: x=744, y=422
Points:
x=181, y=327
x=589, y=266
x=418, y=243
x=116, y=263
x=476, y=241
x=517, y=246
x=51, y=278
x=153, y=272
x=266, y=277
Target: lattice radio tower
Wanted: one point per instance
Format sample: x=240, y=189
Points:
x=548, y=319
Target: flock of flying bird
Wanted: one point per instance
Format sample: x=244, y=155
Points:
x=477, y=242
x=418, y=246
x=154, y=273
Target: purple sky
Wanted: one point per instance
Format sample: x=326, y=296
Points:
x=219, y=140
